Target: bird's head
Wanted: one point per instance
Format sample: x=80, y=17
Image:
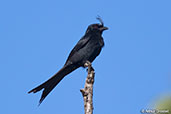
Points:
x=97, y=28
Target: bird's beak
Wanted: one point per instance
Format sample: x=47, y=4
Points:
x=103, y=28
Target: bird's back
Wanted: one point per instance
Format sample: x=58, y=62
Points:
x=87, y=49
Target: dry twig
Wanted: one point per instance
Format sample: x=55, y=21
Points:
x=87, y=92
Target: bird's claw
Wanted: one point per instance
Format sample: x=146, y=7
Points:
x=88, y=64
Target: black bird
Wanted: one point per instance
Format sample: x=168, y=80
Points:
x=87, y=49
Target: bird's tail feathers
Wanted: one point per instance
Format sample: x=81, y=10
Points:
x=52, y=82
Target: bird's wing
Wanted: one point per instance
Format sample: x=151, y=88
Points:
x=81, y=43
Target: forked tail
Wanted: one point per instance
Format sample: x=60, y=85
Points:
x=52, y=82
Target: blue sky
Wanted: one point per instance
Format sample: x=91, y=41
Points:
x=133, y=69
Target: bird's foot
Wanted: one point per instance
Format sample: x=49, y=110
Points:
x=89, y=65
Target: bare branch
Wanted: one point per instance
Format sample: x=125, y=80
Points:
x=87, y=92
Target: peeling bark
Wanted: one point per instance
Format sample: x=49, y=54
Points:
x=87, y=91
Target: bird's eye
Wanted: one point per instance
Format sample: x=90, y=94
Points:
x=95, y=26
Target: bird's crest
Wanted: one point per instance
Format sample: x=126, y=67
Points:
x=100, y=19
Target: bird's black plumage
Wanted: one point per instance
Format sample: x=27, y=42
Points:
x=87, y=49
